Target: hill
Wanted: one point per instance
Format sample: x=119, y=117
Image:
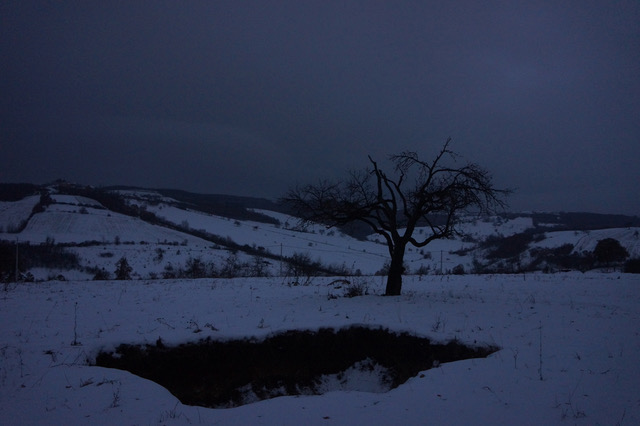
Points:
x=171, y=233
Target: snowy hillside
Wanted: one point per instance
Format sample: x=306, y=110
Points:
x=330, y=246
x=14, y=213
x=175, y=233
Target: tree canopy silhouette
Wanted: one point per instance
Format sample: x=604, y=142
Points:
x=419, y=193
x=609, y=250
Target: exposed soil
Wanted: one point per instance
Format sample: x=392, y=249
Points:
x=214, y=373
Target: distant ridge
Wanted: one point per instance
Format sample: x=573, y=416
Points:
x=581, y=221
x=17, y=191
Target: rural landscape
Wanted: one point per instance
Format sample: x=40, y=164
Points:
x=527, y=318
x=320, y=213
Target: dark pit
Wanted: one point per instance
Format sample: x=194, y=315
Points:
x=229, y=373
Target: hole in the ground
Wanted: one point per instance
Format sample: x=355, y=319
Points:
x=229, y=373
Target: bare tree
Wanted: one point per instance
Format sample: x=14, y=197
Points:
x=420, y=193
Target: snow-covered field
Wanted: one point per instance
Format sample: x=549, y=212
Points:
x=570, y=348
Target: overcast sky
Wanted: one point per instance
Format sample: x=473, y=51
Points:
x=250, y=98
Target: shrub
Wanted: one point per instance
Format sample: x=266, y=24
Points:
x=508, y=247
x=423, y=270
x=562, y=257
x=609, y=251
x=169, y=272
x=159, y=255
x=358, y=287
x=101, y=275
x=458, y=270
x=123, y=270
x=195, y=268
x=300, y=266
x=259, y=267
x=231, y=267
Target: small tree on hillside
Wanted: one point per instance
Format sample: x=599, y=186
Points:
x=609, y=251
x=123, y=270
x=430, y=194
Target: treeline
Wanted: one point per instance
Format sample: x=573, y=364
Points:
x=45, y=255
x=515, y=254
x=577, y=221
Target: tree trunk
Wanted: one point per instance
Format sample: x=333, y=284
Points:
x=396, y=269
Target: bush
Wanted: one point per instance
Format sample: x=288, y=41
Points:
x=423, y=270
x=232, y=267
x=301, y=266
x=195, y=268
x=359, y=287
x=123, y=270
x=562, y=257
x=259, y=267
x=458, y=270
x=101, y=275
x=609, y=251
x=159, y=255
x=508, y=247
x=169, y=272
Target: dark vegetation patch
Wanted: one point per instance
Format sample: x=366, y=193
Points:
x=559, y=258
x=509, y=247
x=45, y=255
x=214, y=373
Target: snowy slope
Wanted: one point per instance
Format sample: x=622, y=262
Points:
x=104, y=236
x=13, y=213
x=75, y=200
x=66, y=224
x=331, y=247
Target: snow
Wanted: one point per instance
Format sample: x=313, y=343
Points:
x=75, y=200
x=66, y=224
x=570, y=348
x=330, y=246
x=13, y=213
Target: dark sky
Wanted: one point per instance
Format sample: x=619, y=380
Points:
x=250, y=98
